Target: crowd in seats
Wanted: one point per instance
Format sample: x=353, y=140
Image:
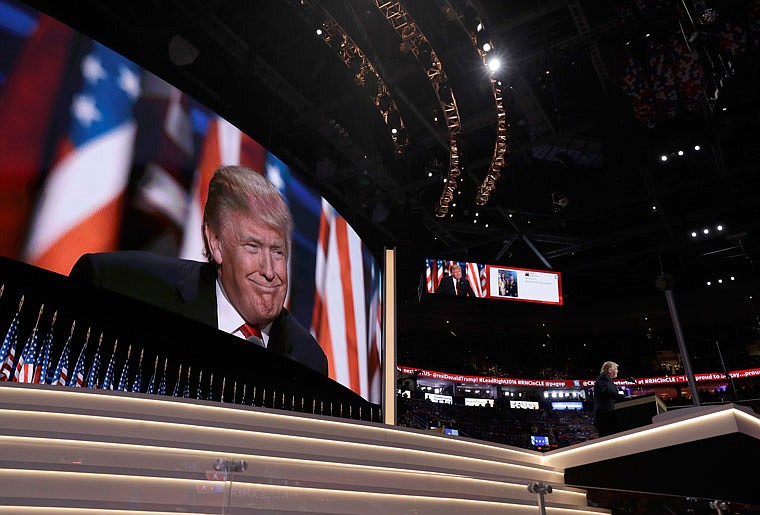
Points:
x=500, y=423
x=511, y=426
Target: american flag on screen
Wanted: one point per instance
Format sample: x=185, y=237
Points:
x=224, y=145
x=164, y=162
x=431, y=275
x=375, y=336
x=474, y=278
x=35, y=58
x=80, y=208
x=339, y=321
x=434, y=272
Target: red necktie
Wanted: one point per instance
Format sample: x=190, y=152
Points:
x=250, y=330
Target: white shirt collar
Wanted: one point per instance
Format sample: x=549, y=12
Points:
x=229, y=319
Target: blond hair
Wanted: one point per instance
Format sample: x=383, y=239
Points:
x=242, y=189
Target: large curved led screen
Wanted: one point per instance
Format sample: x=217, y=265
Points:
x=98, y=154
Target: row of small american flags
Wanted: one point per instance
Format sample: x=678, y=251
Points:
x=475, y=273
x=39, y=359
x=122, y=160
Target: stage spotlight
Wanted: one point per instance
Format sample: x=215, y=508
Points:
x=494, y=64
x=483, y=38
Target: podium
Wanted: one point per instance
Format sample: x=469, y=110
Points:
x=637, y=411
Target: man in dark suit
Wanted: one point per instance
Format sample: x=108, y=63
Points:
x=247, y=231
x=454, y=284
x=605, y=395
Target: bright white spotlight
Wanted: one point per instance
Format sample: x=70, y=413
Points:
x=693, y=234
x=319, y=32
x=697, y=147
x=494, y=64
x=720, y=227
x=706, y=231
x=487, y=47
x=680, y=152
x=663, y=158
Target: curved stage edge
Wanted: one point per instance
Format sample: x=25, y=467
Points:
x=69, y=448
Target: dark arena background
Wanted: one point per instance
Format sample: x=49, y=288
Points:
x=592, y=166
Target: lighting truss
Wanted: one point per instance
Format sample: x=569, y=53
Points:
x=418, y=44
x=356, y=60
x=498, y=160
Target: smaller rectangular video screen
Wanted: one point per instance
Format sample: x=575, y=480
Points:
x=523, y=284
x=469, y=279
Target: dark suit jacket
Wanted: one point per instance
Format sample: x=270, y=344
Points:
x=446, y=286
x=605, y=395
x=188, y=288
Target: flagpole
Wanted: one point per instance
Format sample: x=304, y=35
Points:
x=179, y=379
x=123, y=380
x=41, y=370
